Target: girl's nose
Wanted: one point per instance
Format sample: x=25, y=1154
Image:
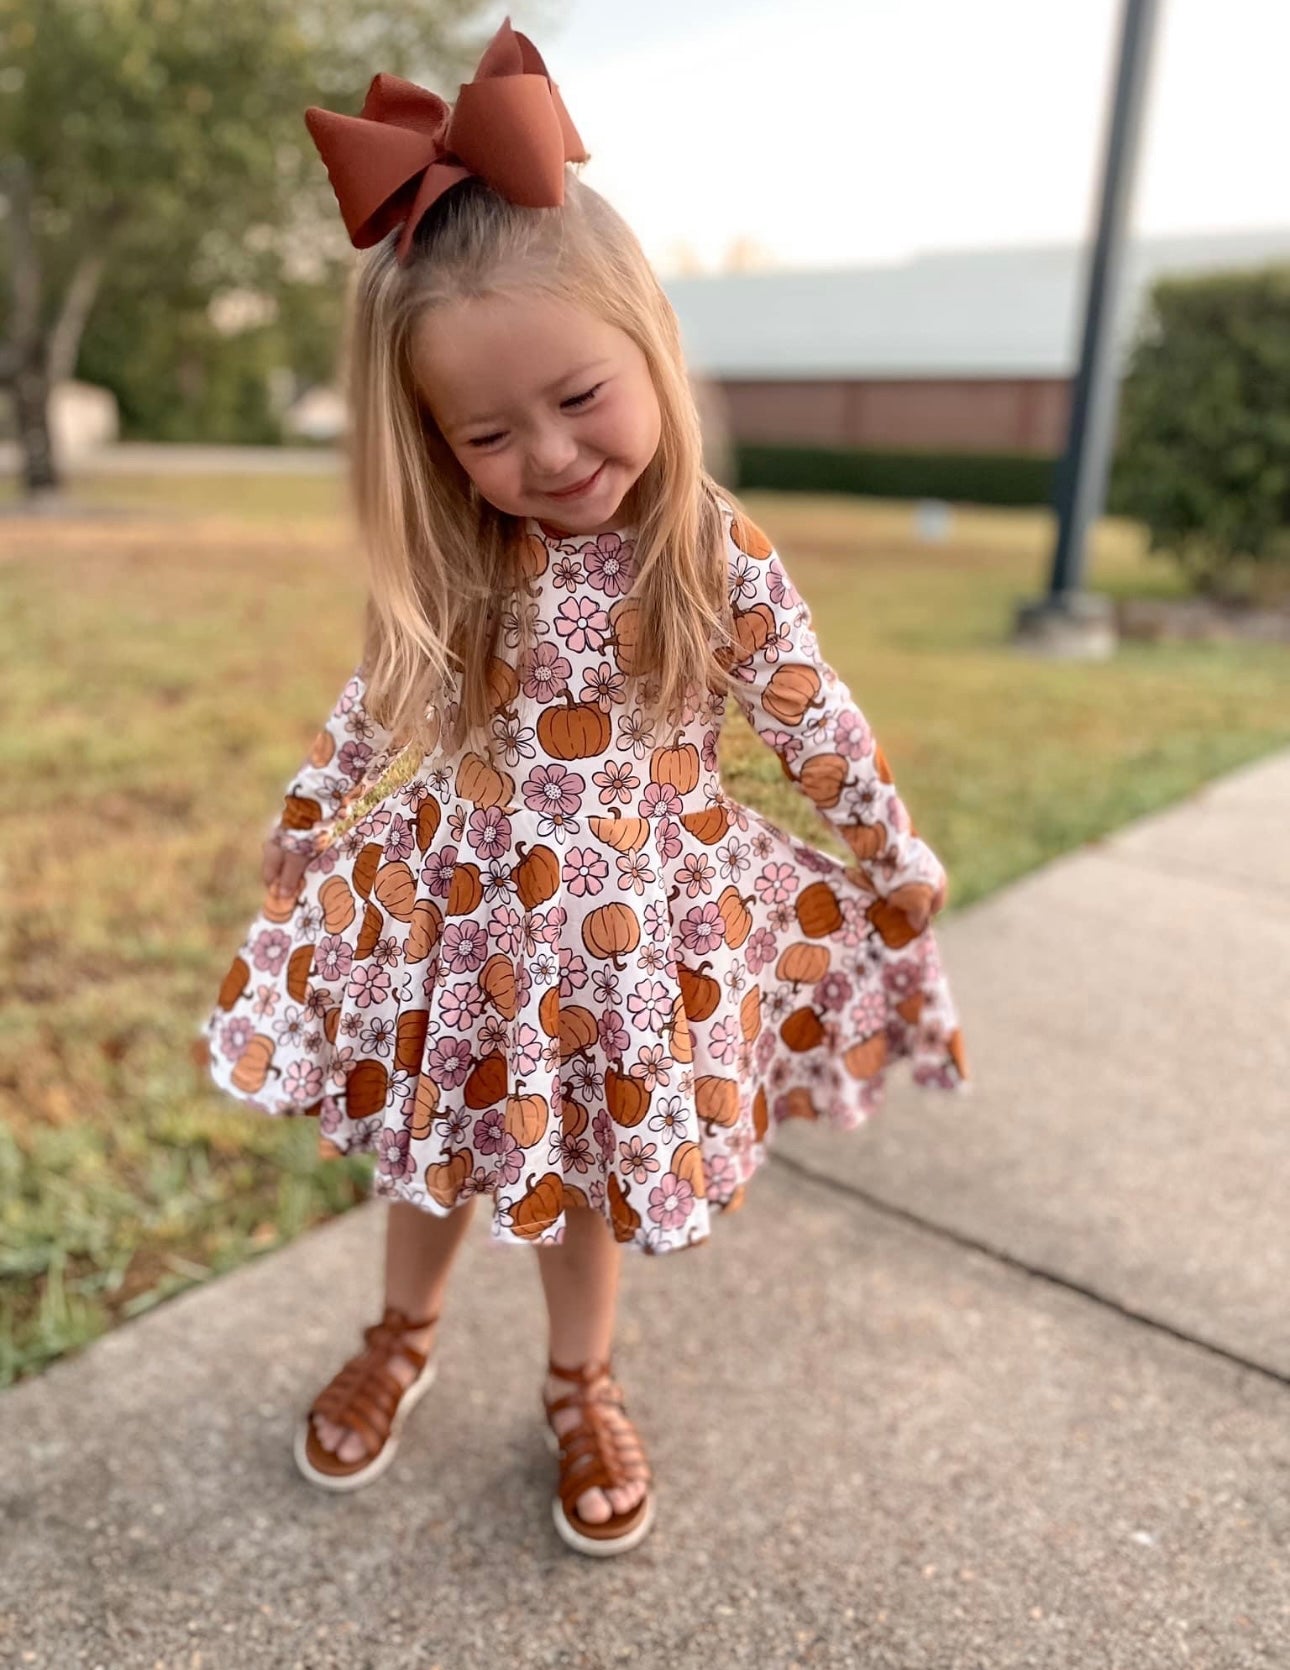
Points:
x=552, y=452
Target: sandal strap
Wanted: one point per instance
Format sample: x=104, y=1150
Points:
x=364, y=1394
x=594, y=1453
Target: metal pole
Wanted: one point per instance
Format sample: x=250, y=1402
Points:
x=1081, y=476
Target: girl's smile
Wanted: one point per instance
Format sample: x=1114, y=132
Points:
x=542, y=403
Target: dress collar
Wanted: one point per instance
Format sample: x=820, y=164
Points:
x=553, y=534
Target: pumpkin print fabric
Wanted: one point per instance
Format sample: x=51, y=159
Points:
x=580, y=973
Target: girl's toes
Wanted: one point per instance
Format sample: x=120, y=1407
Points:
x=593, y=1507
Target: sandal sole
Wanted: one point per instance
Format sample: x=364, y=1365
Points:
x=385, y=1455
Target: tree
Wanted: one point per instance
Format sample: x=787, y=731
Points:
x=164, y=141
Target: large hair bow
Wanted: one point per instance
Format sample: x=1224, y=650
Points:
x=407, y=146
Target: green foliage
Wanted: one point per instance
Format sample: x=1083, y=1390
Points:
x=1203, y=454
x=1001, y=478
x=167, y=138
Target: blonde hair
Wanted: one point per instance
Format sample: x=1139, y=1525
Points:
x=442, y=561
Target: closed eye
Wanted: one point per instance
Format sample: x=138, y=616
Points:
x=575, y=401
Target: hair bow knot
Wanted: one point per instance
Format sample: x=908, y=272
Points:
x=406, y=147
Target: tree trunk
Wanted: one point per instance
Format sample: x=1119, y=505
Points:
x=31, y=415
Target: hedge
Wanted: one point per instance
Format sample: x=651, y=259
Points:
x=1004, y=478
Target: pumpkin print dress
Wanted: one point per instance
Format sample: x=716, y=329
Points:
x=579, y=972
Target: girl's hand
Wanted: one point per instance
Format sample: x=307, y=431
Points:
x=280, y=870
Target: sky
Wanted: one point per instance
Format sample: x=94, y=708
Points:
x=829, y=133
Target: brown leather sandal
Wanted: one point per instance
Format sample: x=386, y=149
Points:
x=594, y=1455
x=365, y=1396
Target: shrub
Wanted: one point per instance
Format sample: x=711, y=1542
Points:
x=1203, y=449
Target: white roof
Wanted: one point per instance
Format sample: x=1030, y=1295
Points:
x=960, y=313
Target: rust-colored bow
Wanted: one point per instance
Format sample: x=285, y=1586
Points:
x=389, y=163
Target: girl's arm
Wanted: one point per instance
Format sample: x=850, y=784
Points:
x=350, y=745
x=803, y=710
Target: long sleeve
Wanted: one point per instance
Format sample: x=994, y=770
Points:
x=804, y=712
x=350, y=745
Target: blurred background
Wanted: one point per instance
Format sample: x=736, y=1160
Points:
x=874, y=221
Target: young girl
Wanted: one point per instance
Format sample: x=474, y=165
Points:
x=518, y=941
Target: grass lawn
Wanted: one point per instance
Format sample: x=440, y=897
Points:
x=165, y=672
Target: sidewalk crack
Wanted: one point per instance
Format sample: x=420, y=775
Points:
x=1054, y=1278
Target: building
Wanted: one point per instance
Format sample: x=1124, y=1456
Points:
x=967, y=351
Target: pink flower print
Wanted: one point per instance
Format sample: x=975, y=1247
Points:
x=637, y=1157
x=613, y=1035
x=582, y=623
x=724, y=1040
x=490, y=831
x=657, y=921
x=464, y=946
x=525, y=1049
x=780, y=918
x=480, y=1182
x=834, y=990
x=902, y=979
x=584, y=870
x=653, y=1066
x=288, y=1030
x=234, y=1036
x=633, y=871
x=330, y=1116
x=548, y=923
x=776, y=883
x=515, y=738
x=266, y=1001
x=765, y=1048
x=333, y=957
x=368, y=985
x=461, y=1004
x=616, y=781
x=869, y=1013
x=569, y=1152
x=667, y=838
x=490, y=1131
x=708, y=750
x=269, y=950
x=545, y=968
x=651, y=1005
x=659, y=798
x=510, y=1162
x=696, y=874
x=493, y=1033
x=553, y=788
x=387, y=952
x=671, y=1201
x=546, y=672
x=602, y=685
x=448, y=1061
x=781, y=588
x=602, y=1128
x=302, y=1082
x=504, y=929
x=604, y=986
x=719, y=1177
x=352, y=760
x=393, y=1154
x=566, y=572
x=852, y=737
x=573, y=971
x=610, y=564
x=702, y=930
x=436, y=871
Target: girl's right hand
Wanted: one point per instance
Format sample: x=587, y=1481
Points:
x=282, y=871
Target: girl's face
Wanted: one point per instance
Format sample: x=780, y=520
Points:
x=534, y=395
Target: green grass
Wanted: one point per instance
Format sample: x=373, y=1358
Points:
x=165, y=673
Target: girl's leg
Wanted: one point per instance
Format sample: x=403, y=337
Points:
x=419, y=1249
x=580, y=1281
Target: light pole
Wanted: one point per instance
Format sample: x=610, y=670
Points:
x=1069, y=620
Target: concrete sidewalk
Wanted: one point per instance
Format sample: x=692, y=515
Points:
x=997, y=1382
